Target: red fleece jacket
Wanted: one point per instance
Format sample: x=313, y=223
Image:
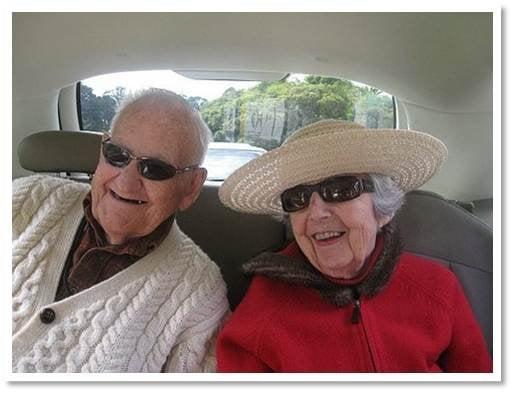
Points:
x=420, y=322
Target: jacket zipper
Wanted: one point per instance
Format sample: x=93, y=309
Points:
x=356, y=315
x=356, y=318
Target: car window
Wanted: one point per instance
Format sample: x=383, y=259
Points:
x=220, y=163
x=261, y=114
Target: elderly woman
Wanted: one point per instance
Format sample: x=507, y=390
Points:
x=343, y=297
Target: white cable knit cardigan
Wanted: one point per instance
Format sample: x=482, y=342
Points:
x=164, y=309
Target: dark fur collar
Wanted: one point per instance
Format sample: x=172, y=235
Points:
x=300, y=272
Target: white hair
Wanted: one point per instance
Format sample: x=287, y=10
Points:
x=160, y=96
x=387, y=197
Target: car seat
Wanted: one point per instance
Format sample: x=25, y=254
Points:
x=429, y=224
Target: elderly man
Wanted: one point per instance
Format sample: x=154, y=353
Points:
x=103, y=278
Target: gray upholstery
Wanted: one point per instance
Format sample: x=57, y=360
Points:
x=430, y=225
x=228, y=237
x=433, y=227
x=483, y=208
x=60, y=151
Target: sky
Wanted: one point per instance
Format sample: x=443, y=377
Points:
x=164, y=79
x=167, y=79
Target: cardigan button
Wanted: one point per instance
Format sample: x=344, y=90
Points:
x=47, y=316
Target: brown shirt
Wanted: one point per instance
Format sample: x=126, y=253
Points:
x=92, y=259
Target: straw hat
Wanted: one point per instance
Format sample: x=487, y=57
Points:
x=327, y=148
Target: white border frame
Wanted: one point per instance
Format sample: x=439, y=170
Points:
x=308, y=6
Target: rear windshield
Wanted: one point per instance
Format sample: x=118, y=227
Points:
x=260, y=114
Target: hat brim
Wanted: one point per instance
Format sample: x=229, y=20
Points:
x=410, y=158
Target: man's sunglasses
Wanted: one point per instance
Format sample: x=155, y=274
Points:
x=333, y=189
x=149, y=168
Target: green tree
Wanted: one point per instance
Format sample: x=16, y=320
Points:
x=98, y=111
x=195, y=101
x=267, y=113
x=222, y=114
x=374, y=109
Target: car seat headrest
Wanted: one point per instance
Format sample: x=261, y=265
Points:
x=60, y=151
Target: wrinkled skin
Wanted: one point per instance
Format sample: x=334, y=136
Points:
x=124, y=203
x=349, y=229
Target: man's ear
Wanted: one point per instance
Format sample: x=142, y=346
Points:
x=193, y=188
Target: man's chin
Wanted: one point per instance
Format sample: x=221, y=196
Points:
x=117, y=236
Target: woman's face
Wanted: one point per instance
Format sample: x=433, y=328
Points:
x=337, y=237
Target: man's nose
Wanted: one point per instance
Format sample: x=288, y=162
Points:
x=318, y=208
x=129, y=178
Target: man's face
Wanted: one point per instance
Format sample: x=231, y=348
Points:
x=337, y=237
x=128, y=205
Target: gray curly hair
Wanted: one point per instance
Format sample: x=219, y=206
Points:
x=387, y=196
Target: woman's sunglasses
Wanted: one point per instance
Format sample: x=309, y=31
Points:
x=333, y=189
x=149, y=168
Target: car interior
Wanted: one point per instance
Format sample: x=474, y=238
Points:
x=437, y=66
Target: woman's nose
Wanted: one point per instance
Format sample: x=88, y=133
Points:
x=318, y=208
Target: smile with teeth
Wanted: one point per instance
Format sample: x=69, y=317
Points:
x=120, y=198
x=327, y=235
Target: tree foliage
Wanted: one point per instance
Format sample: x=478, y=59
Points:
x=267, y=113
x=98, y=111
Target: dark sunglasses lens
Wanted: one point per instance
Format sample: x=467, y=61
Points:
x=115, y=155
x=156, y=170
x=295, y=199
x=341, y=189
